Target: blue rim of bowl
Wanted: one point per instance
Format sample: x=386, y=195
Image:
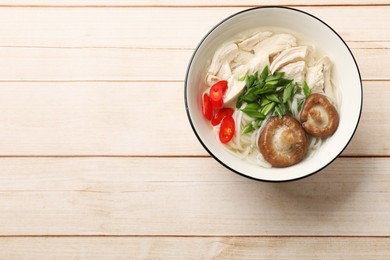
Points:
x=192, y=124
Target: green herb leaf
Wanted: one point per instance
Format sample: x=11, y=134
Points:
x=243, y=78
x=268, y=108
x=295, y=89
x=251, y=107
x=239, y=102
x=272, y=83
x=267, y=94
x=255, y=114
x=265, y=102
x=306, y=89
x=265, y=90
x=264, y=74
x=249, y=96
x=249, y=81
x=284, y=82
x=252, y=110
x=287, y=92
x=281, y=109
x=300, y=104
x=273, y=97
x=248, y=128
x=278, y=111
x=258, y=123
x=275, y=76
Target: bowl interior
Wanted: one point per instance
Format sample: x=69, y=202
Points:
x=345, y=76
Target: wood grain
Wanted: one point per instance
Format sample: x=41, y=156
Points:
x=195, y=248
x=174, y=3
x=160, y=27
x=188, y=196
x=80, y=64
x=98, y=160
x=123, y=118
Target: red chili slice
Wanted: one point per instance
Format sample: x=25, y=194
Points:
x=221, y=114
x=216, y=93
x=207, y=108
x=226, y=131
x=222, y=85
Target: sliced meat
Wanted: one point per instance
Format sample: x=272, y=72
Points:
x=318, y=77
x=224, y=72
x=211, y=79
x=235, y=88
x=319, y=117
x=275, y=44
x=243, y=57
x=283, y=141
x=295, y=71
x=289, y=55
x=328, y=86
x=224, y=54
x=315, y=78
x=251, y=41
x=258, y=63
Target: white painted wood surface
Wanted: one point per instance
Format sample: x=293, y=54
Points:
x=97, y=158
x=196, y=248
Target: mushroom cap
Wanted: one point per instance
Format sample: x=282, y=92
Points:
x=319, y=117
x=283, y=141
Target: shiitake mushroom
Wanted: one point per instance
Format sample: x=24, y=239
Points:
x=283, y=141
x=319, y=117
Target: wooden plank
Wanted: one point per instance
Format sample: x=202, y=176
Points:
x=92, y=64
x=173, y=3
x=119, y=118
x=160, y=27
x=108, y=64
x=188, y=196
x=95, y=118
x=195, y=248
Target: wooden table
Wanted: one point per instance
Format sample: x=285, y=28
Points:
x=98, y=159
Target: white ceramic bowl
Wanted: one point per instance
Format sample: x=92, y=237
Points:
x=345, y=75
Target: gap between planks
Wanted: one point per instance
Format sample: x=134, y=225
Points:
x=124, y=80
x=189, y=6
x=155, y=156
x=191, y=236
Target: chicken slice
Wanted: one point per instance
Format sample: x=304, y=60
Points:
x=328, y=86
x=315, y=78
x=275, y=44
x=258, y=63
x=249, y=43
x=235, y=88
x=318, y=78
x=224, y=72
x=295, y=71
x=224, y=54
x=211, y=79
x=240, y=70
x=243, y=57
x=289, y=55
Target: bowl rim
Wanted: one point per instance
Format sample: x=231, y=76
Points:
x=192, y=123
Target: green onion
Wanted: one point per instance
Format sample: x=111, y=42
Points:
x=306, y=89
x=242, y=78
x=267, y=94
x=275, y=76
x=287, y=92
x=258, y=123
x=248, y=128
x=273, y=97
x=300, y=104
x=268, y=108
x=264, y=74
